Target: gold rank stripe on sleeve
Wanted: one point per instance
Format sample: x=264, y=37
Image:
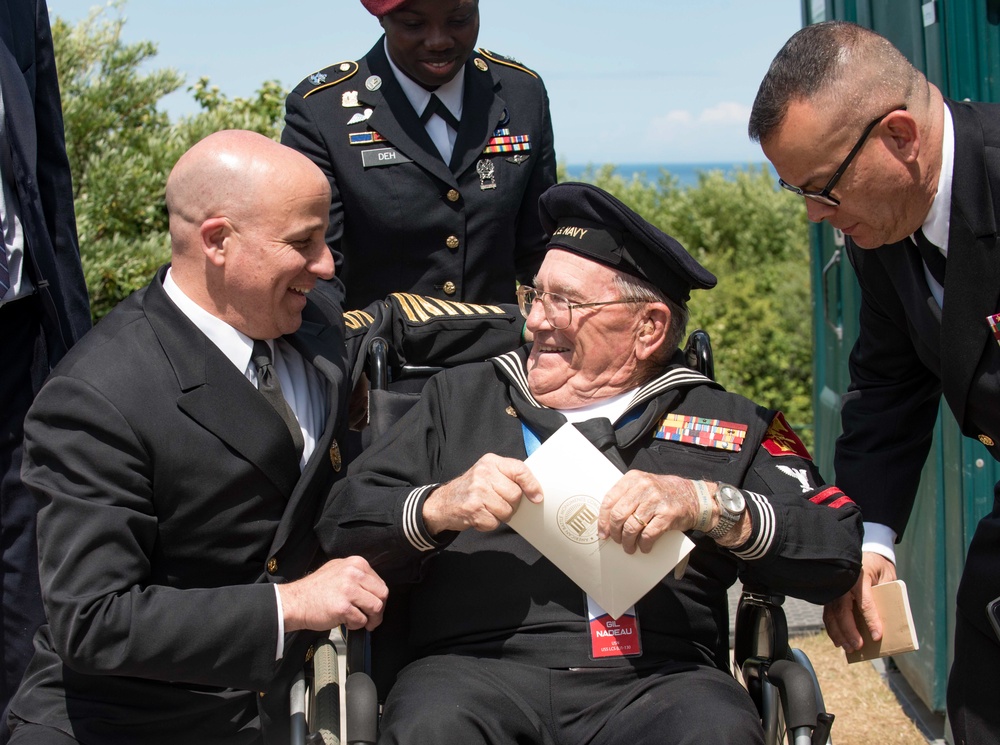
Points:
x=421, y=309
x=357, y=319
x=493, y=57
x=346, y=69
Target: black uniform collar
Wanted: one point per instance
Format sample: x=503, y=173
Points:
x=543, y=421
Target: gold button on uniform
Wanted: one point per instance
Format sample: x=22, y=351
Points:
x=451, y=241
x=272, y=565
x=449, y=288
x=986, y=440
x=453, y=195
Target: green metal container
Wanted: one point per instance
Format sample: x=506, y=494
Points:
x=956, y=43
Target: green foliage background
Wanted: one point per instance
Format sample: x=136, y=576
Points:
x=121, y=148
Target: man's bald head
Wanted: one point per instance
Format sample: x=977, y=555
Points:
x=228, y=174
x=248, y=218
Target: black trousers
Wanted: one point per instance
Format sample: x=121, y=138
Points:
x=453, y=700
x=22, y=368
x=973, y=701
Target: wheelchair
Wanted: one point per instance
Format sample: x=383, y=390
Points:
x=336, y=702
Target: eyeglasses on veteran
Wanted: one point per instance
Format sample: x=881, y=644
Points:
x=558, y=309
x=823, y=196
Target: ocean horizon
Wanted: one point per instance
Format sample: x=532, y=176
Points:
x=685, y=173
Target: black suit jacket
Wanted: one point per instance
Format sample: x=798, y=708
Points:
x=421, y=223
x=909, y=350
x=34, y=124
x=171, y=500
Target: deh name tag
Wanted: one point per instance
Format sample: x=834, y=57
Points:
x=383, y=156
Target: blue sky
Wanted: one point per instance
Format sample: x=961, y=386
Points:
x=651, y=81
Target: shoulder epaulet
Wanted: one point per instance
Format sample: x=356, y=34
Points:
x=327, y=78
x=506, y=61
x=421, y=309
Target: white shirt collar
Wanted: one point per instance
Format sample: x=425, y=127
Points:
x=451, y=93
x=938, y=220
x=612, y=408
x=236, y=345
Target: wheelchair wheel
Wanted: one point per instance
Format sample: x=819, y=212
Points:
x=775, y=729
x=325, y=714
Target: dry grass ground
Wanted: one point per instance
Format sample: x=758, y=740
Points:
x=866, y=709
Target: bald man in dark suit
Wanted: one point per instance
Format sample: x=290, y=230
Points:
x=182, y=578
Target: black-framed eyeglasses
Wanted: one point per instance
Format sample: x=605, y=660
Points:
x=558, y=309
x=823, y=195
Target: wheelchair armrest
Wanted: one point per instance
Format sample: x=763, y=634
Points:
x=761, y=627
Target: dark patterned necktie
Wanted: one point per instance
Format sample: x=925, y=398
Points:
x=931, y=255
x=267, y=384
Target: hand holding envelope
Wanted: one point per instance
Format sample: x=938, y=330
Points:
x=481, y=498
x=575, y=477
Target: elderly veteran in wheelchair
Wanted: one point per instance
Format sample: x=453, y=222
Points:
x=499, y=640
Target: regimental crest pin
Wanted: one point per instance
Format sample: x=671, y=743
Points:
x=317, y=78
x=349, y=99
x=486, y=171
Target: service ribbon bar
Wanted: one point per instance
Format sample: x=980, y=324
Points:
x=710, y=433
x=507, y=143
x=365, y=138
x=994, y=322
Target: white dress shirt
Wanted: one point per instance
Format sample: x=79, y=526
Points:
x=10, y=221
x=451, y=95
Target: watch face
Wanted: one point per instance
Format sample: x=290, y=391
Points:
x=731, y=498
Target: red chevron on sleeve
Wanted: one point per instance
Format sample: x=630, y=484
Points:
x=831, y=497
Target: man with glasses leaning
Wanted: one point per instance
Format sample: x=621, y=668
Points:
x=503, y=648
x=921, y=184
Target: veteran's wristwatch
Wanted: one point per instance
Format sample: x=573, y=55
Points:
x=732, y=505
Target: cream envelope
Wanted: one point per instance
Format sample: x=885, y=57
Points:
x=575, y=476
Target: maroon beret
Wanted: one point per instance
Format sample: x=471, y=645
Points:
x=381, y=7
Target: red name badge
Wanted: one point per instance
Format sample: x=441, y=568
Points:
x=613, y=637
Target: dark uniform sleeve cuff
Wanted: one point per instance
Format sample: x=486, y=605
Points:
x=762, y=528
x=413, y=522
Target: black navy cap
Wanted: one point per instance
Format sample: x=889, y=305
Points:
x=588, y=221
